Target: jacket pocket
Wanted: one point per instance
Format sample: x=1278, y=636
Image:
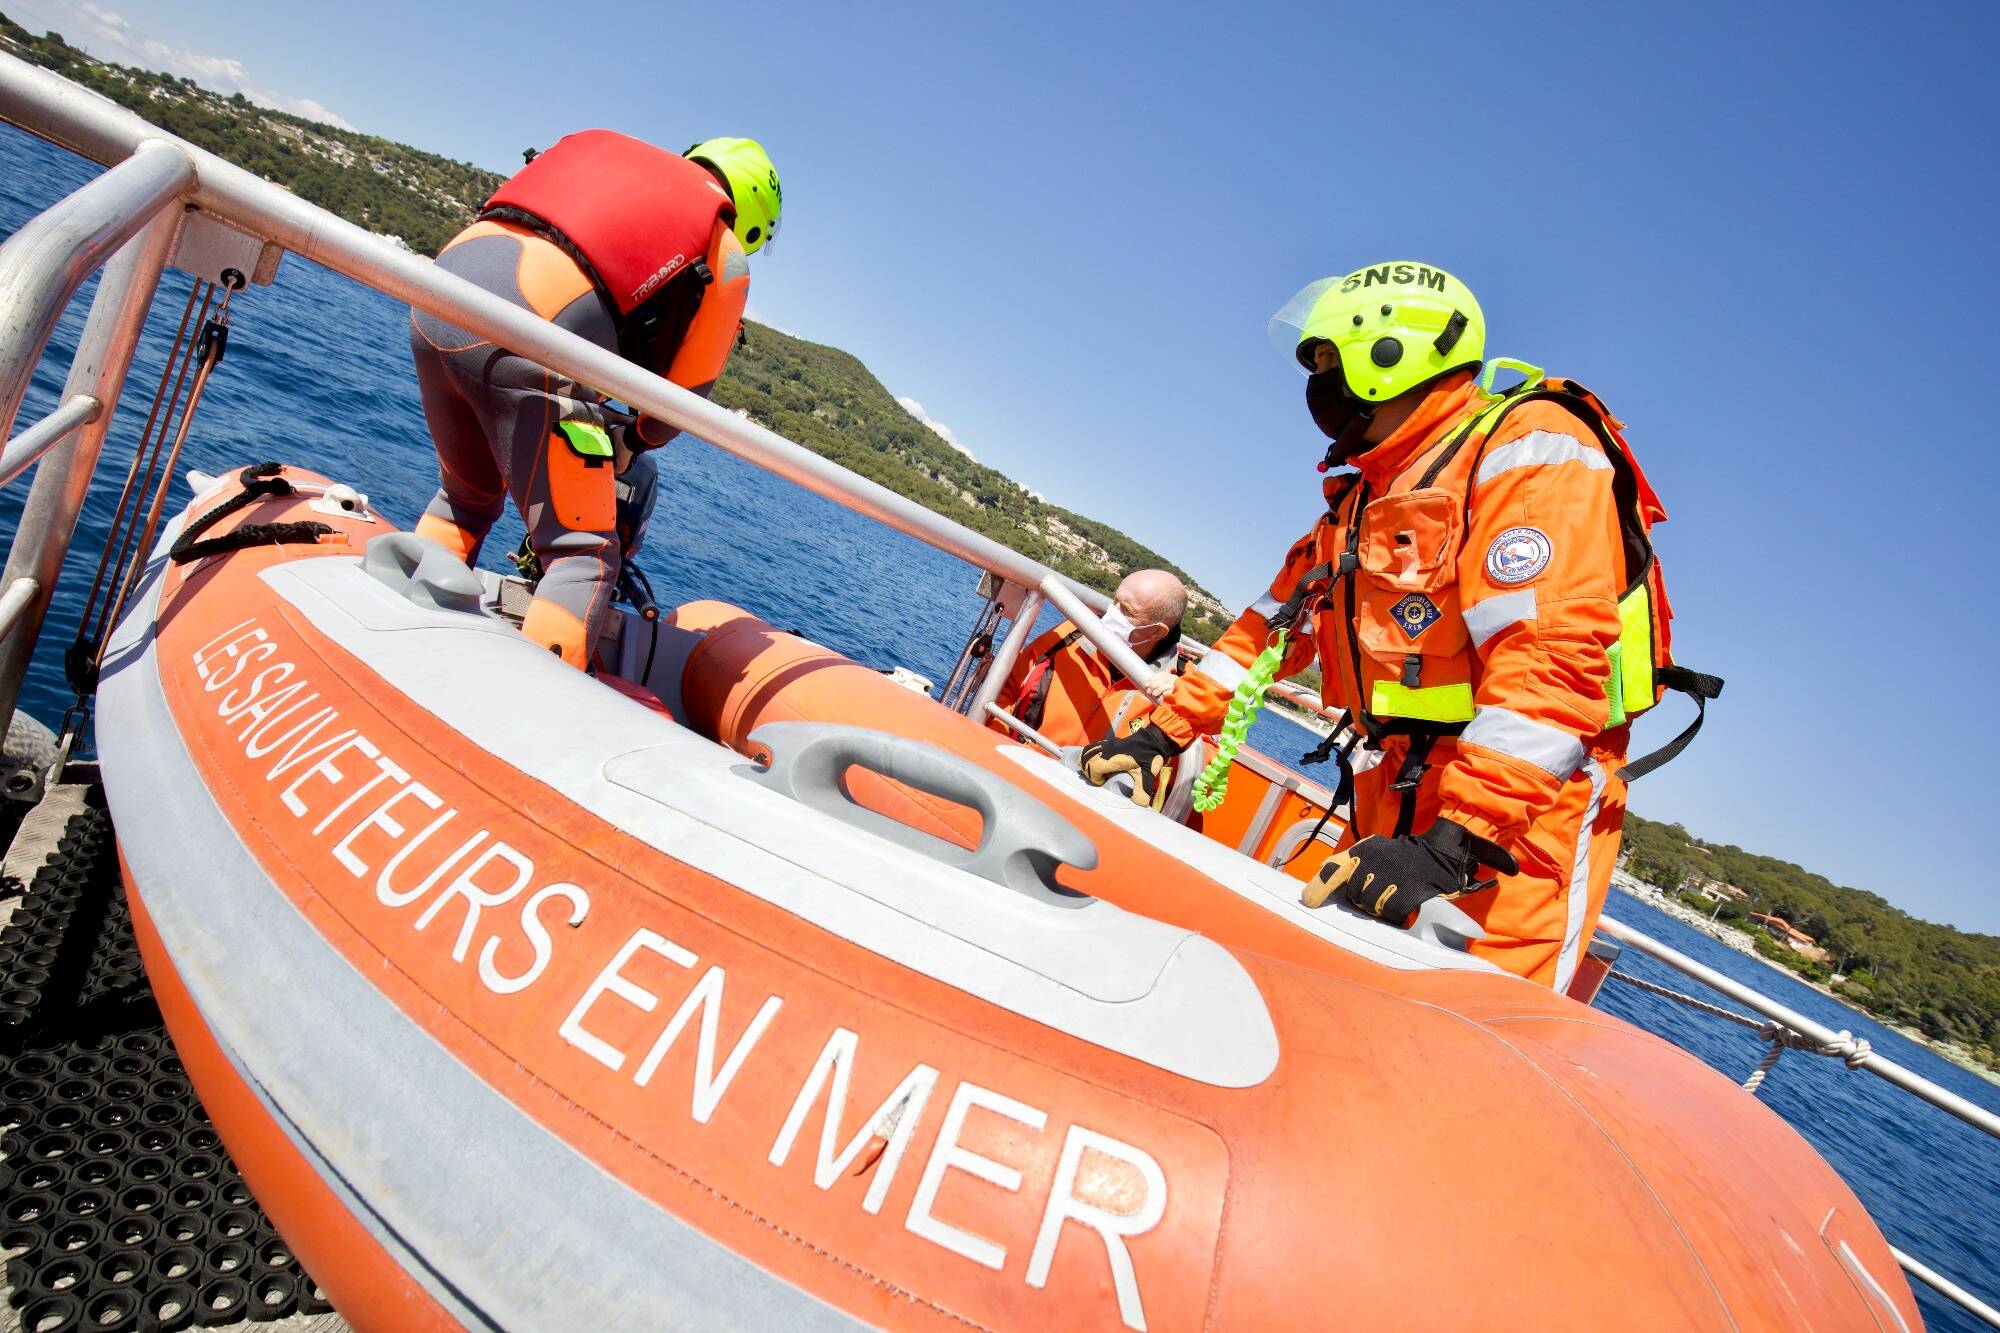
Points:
x=1409, y=542
x=1415, y=648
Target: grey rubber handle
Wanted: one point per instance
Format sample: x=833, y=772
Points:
x=1442, y=921
x=421, y=571
x=1021, y=841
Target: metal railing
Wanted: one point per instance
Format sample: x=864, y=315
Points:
x=1842, y=1044
x=131, y=212
x=55, y=109
x=1855, y=1054
x=131, y=215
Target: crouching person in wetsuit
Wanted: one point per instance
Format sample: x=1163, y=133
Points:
x=643, y=253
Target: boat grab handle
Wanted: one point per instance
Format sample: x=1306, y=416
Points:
x=1021, y=841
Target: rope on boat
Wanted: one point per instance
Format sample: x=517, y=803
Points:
x=197, y=348
x=1849, y=1049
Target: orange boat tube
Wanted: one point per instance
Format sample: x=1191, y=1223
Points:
x=527, y=1003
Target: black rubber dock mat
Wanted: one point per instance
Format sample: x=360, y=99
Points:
x=119, y=1206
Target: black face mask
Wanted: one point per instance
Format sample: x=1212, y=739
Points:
x=1341, y=416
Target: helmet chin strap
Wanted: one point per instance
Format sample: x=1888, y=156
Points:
x=1350, y=439
x=1349, y=442
x=1340, y=416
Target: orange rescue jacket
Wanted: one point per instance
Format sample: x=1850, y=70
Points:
x=1059, y=686
x=1469, y=591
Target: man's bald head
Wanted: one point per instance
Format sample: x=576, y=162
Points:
x=1155, y=598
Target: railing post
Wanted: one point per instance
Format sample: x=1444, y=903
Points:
x=48, y=518
x=1003, y=660
x=43, y=264
x=25, y=450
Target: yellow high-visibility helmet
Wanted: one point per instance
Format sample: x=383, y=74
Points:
x=1397, y=327
x=753, y=186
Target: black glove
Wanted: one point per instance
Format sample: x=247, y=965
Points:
x=1147, y=754
x=1391, y=878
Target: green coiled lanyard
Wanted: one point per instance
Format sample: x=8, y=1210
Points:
x=1213, y=783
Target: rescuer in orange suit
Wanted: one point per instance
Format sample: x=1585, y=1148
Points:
x=1463, y=593
x=1059, y=681
x=639, y=250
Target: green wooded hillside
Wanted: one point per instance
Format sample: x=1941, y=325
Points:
x=828, y=401
x=382, y=185
x=820, y=396
x=1938, y=979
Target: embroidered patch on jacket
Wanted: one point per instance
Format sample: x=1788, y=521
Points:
x=1415, y=614
x=1518, y=554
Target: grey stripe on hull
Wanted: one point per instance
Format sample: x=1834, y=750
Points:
x=506, y=1225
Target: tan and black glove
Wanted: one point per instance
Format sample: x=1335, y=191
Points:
x=1391, y=878
x=1147, y=754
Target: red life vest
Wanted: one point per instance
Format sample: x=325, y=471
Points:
x=634, y=216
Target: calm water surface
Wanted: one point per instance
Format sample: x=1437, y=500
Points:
x=318, y=374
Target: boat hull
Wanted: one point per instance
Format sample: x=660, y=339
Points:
x=577, y=1025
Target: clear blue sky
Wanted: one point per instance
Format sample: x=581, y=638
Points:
x=1761, y=232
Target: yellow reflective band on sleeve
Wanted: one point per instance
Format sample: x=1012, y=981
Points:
x=1429, y=703
x=1634, y=660
x=585, y=439
x=1614, y=687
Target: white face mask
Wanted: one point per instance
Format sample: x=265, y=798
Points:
x=1120, y=626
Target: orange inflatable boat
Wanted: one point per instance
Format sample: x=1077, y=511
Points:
x=762, y=992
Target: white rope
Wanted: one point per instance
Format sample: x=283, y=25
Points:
x=1849, y=1049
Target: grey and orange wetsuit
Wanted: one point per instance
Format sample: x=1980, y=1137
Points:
x=506, y=427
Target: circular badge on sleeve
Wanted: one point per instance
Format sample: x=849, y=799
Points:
x=1518, y=554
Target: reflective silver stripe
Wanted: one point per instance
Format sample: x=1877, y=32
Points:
x=1221, y=668
x=1494, y=614
x=1507, y=732
x=1579, y=882
x=1266, y=606
x=1536, y=448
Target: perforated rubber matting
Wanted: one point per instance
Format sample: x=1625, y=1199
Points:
x=119, y=1206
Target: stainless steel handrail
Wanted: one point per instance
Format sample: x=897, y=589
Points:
x=46, y=104
x=103, y=356
x=43, y=264
x=22, y=451
x=19, y=595
x=1008, y=652
x=1946, y=1288
x=1859, y=1058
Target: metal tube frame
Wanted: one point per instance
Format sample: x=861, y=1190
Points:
x=43, y=264
x=41, y=267
x=103, y=355
x=14, y=601
x=1023, y=730
x=22, y=451
x=1946, y=1288
x=1879, y=1065
x=45, y=104
x=1004, y=657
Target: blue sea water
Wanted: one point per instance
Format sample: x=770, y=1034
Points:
x=318, y=374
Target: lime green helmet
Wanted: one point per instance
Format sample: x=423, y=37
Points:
x=753, y=186
x=1397, y=327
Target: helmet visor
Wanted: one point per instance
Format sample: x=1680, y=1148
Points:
x=1290, y=326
